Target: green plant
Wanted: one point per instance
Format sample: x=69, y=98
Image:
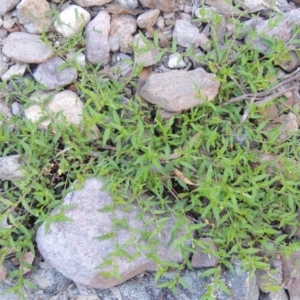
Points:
x=223, y=187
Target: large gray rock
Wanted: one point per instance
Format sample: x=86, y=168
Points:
x=96, y=33
x=176, y=91
x=47, y=73
x=7, y=5
x=11, y=168
x=34, y=15
x=26, y=47
x=72, y=20
x=72, y=248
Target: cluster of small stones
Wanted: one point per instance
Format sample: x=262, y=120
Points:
x=70, y=246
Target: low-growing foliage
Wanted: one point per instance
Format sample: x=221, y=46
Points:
x=246, y=206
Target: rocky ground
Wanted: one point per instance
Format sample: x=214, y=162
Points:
x=110, y=28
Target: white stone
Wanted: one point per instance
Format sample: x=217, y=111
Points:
x=66, y=102
x=175, y=61
x=77, y=57
x=17, y=69
x=72, y=20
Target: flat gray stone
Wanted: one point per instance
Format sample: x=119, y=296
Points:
x=96, y=33
x=176, y=91
x=26, y=47
x=47, y=73
x=72, y=249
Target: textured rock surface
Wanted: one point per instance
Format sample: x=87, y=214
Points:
x=148, y=17
x=240, y=284
x=129, y=4
x=33, y=15
x=175, y=91
x=71, y=247
x=291, y=274
x=187, y=34
x=146, y=56
x=72, y=20
x=17, y=69
x=163, y=5
x=282, y=31
x=202, y=259
x=66, y=102
x=121, y=30
x=7, y=5
x=48, y=74
x=26, y=47
x=11, y=167
x=96, y=33
x=84, y=3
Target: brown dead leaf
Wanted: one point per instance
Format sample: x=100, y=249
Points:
x=118, y=10
x=180, y=175
x=2, y=272
x=28, y=257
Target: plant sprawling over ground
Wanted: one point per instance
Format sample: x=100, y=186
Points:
x=205, y=164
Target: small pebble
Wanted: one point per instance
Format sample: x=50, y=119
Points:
x=8, y=24
x=1, y=22
x=16, y=109
x=160, y=22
